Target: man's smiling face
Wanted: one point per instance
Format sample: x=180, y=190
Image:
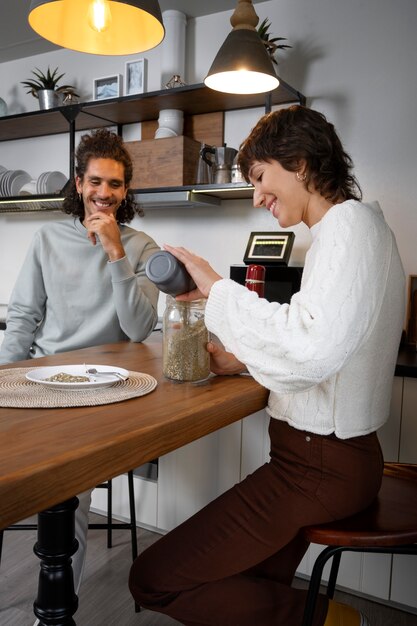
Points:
x=102, y=187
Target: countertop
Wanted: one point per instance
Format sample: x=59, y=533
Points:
x=42, y=462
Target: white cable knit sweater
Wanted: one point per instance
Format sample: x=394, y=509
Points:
x=329, y=356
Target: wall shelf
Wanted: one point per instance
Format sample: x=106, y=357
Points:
x=191, y=99
x=147, y=198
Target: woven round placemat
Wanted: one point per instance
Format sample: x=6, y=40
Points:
x=19, y=393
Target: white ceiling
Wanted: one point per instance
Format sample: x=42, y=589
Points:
x=18, y=40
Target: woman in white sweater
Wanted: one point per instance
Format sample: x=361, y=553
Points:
x=328, y=359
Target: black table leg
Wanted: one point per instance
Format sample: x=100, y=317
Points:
x=57, y=601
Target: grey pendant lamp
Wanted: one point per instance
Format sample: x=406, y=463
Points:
x=242, y=64
x=110, y=27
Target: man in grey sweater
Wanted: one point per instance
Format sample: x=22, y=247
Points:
x=83, y=281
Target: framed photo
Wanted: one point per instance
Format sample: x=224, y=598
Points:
x=135, y=76
x=269, y=248
x=107, y=87
x=412, y=310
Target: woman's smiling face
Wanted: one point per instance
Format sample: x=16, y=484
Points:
x=279, y=190
x=102, y=186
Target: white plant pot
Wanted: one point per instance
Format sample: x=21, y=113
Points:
x=171, y=120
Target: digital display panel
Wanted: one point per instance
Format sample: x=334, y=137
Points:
x=269, y=248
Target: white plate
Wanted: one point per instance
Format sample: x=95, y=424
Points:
x=17, y=180
x=54, y=182
x=39, y=375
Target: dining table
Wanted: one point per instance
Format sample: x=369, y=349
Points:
x=50, y=454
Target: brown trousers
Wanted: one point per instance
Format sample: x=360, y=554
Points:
x=232, y=564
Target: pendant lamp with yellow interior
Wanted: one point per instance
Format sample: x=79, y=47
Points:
x=242, y=65
x=109, y=27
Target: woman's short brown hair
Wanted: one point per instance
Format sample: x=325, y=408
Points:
x=296, y=134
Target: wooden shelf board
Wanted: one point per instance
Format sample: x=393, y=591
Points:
x=192, y=99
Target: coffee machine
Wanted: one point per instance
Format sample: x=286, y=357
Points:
x=272, y=250
x=281, y=282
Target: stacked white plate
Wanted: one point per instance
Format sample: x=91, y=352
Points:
x=12, y=181
x=50, y=182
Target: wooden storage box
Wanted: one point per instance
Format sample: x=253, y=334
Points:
x=167, y=162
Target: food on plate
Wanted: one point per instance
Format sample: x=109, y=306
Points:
x=62, y=377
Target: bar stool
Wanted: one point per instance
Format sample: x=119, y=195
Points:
x=388, y=526
x=109, y=525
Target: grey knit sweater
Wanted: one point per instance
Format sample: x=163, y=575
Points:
x=68, y=295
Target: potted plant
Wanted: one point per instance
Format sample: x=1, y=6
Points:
x=45, y=88
x=271, y=43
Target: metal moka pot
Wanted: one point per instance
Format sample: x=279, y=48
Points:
x=223, y=161
x=224, y=156
x=205, y=165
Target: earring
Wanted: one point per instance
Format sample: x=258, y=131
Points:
x=300, y=177
x=80, y=198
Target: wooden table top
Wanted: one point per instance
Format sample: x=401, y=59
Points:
x=49, y=455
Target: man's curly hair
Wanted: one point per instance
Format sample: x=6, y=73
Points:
x=101, y=144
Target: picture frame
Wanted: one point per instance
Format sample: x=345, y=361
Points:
x=269, y=248
x=412, y=310
x=135, y=76
x=107, y=87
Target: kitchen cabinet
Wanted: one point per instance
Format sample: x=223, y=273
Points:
x=188, y=479
x=408, y=439
x=404, y=568
x=191, y=99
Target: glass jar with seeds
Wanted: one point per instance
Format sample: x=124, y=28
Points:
x=185, y=337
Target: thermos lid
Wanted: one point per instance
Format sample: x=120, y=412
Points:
x=168, y=274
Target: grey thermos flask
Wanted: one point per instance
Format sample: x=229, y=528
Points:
x=168, y=274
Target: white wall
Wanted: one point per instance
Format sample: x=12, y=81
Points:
x=355, y=61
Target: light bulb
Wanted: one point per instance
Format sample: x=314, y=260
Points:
x=242, y=81
x=99, y=15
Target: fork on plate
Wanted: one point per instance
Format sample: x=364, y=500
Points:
x=92, y=370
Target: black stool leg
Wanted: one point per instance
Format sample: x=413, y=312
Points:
x=109, y=513
x=331, y=585
x=1, y=543
x=315, y=580
x=133, y=523
x=132, y=515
